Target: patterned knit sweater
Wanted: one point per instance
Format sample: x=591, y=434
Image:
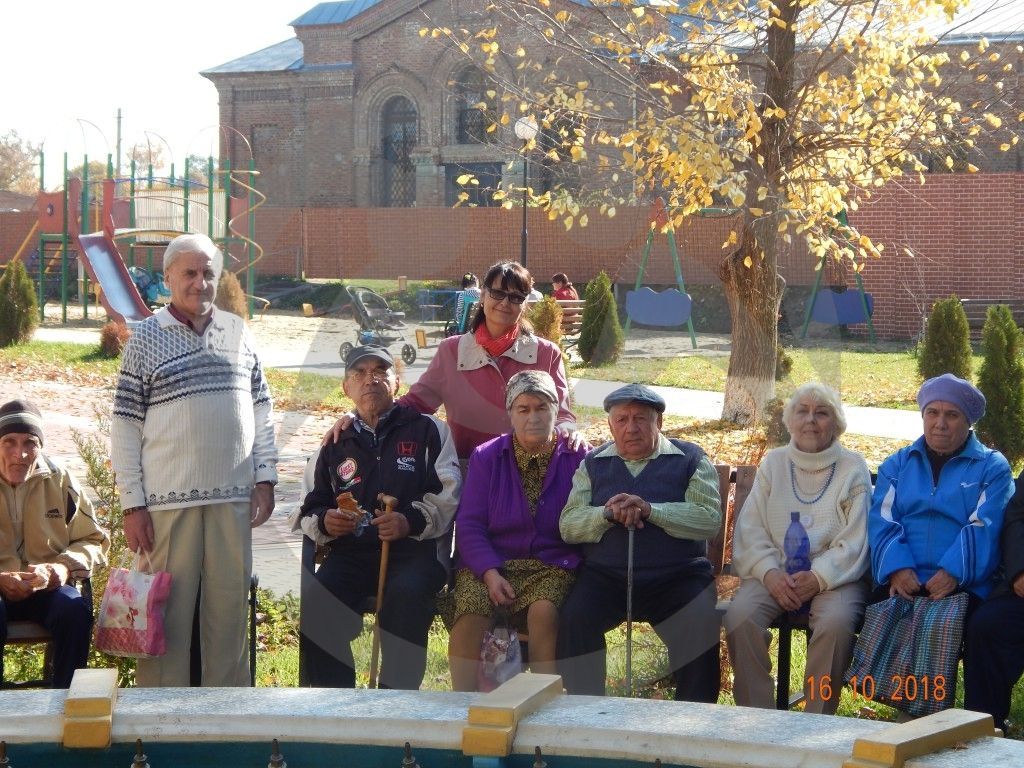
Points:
x=836, y=523
x=192, y=415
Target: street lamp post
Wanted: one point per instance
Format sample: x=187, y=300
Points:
x=526, y=130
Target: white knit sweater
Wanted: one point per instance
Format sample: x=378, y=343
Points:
x=836, y=523
x=192, y=415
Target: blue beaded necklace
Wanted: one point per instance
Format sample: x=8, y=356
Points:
x=816, y=499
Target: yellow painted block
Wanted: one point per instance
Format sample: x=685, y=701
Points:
x=87, y=732
x=483, y=741
x=92, y=693
x=893, y=746
x=512, y=700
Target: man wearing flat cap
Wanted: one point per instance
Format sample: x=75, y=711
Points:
x=667, y=491
x=937, y=509
x=393, y=450
x=48, y=539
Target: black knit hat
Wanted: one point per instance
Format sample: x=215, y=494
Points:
x=21, y=416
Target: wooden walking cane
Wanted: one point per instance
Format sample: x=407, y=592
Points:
x=389, y=502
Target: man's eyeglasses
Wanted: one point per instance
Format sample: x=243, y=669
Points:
x=377, y=374
x=499, y=296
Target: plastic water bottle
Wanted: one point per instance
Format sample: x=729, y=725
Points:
x=797, y=548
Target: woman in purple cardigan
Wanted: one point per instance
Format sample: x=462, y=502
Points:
x=510, y=553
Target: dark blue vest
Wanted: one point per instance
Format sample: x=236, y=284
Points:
x=664, y=479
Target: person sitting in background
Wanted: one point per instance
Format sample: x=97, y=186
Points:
x=395, y=450
x=468, y=296
x=48, y=538
x=994, y=641
x=510, y=551
x=827, y=488
x=561, y=288
x=668, y=491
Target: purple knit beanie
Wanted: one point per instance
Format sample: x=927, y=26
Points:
x=952, y=389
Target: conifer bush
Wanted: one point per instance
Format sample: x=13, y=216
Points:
x=113, y=338
x=18, y=307
x=230, y=296
x=1001, y=379
x=546, y=318
x=947, y=341
x=601, y=336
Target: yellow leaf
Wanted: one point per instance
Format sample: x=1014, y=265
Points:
x=464, y=178
x=757, y=212
x=611, y=212
x=582, y=85
x=520, y=52
x=562, y=16
x=499, y=194
x=578, y=153
x=568, y=223
x=949, y=162
x=747, y=262
x=972, y=168
x=584, y=220
x=993, y=120
x=638, y=12
x=424, y=32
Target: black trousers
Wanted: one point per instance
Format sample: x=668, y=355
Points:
x=333, y=618
x=68, y=617
x=680, y=607
x=994, y=656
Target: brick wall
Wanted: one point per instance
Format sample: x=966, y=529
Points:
x=960, y=233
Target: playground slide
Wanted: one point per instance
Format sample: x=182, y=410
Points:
x=105, y=266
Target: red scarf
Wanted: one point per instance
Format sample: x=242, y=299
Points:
x=498, y=346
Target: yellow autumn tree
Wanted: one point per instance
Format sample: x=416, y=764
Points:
x=786, y=112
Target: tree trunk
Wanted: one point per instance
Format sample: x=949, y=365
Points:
x=754, y=294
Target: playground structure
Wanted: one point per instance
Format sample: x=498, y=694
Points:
x=81, y=230
x=671, y=307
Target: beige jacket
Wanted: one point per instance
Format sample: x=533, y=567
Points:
x=58, y=523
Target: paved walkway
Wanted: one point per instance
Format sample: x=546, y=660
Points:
x=290, y=342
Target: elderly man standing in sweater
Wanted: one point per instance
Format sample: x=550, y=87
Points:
x=193, y=449
x=667, y=491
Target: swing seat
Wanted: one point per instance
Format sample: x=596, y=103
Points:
x=834, y=307
x=669, y=308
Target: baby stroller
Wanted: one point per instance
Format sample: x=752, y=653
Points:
x=378, y=324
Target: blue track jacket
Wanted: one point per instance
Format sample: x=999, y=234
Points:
x=954, y=526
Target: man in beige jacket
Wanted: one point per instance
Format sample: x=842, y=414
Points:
x=48, y=539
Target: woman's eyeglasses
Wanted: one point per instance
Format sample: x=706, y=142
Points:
x=499, y=296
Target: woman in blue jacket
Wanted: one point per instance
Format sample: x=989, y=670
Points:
x=938, y=504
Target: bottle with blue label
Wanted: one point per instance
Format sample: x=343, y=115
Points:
x=797, y=548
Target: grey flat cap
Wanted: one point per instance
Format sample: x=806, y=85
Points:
x=635, y=393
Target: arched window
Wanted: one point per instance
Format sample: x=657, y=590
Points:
x=474, y=109
x=397, y=139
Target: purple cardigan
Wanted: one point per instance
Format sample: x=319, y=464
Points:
x=493, y=522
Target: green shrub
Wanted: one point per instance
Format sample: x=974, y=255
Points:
x=230, y=296
x=1001, y=379
x=783, y=363
x=947, y=342
x=18, y=307
x=546, y=317
x=113, y=337
x=601, y=336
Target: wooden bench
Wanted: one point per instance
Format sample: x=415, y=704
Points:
x=572, y=316
x=977, y=310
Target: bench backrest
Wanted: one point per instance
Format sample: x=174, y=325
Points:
x=734, y=484
x=572, y=315
x=977, y=309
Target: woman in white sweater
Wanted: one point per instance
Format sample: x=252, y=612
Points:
x=827, y=488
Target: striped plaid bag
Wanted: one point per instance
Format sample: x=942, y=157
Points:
x=908, y=650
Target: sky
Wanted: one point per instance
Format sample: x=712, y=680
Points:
x=69, y=65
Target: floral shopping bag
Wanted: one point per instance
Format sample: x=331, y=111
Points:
x=501, y=658
x=131, y=620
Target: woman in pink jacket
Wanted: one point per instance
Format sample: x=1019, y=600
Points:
x=469, y=373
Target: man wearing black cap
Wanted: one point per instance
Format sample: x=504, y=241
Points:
x=48, y=538
x=666, y=490
x=393, y=450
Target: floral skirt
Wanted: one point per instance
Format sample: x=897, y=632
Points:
x=532, y=580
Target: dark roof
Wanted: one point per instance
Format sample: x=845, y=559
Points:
x=333, y=13
x=280, y=57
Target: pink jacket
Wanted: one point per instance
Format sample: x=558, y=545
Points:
x=471, y=386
